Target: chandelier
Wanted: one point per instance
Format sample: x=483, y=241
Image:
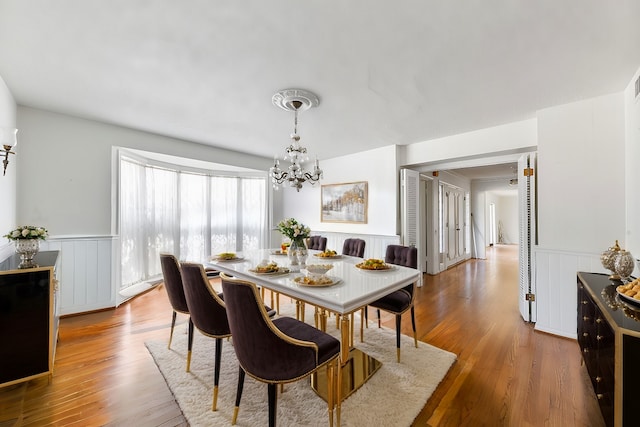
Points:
x=295, y=175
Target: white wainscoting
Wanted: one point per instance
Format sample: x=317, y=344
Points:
x=556, y=282
x=86, y=272
x=375, y=247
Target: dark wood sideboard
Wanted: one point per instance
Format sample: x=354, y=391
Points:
x=609, y=339
x=28, y=318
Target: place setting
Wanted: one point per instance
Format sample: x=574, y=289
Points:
x=227, y=257
x=317, y=276
x=328, y=254
x=269, y=268
x=374, y=265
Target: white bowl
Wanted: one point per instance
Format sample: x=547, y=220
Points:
x=319, y=268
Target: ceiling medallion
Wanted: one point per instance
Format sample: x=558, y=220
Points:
x=295, y=100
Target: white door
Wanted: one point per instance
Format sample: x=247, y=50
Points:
x=454, y=205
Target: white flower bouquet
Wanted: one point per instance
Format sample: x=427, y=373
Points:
x=28, y=232
x=293, y=229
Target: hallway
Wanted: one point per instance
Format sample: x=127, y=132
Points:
x=507, y=374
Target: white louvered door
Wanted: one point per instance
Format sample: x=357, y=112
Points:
x=527, y=237
x=410, y=213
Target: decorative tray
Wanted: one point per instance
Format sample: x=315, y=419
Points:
x=317, y=282
x=629, y=292
x=628, y=299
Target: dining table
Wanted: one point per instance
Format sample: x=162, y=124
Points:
x=347, y=290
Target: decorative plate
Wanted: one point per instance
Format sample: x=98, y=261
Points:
x=317, y=282
x=628, y=299
x=280, y=270
x=327, y=256
x=226, y=259
x=386, y=267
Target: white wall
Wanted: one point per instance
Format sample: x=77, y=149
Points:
x=581, y=178
x=632, y=167
x=378, y=167
x=482, y=193
x=65, y=172
x=581, y=190
x=507, y=214
x=8, y=190
x=65, y=166
x=509, y=138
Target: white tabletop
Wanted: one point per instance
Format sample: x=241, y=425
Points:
x=356, y=289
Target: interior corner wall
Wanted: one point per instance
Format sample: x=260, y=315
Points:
x=632, y=166
x=65, y=168
x=8, y=186
x=378, y=167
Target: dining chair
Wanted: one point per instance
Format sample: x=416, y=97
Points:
x=208, y=313
x=317, y=242
x=276, y=351
x=175, y=292
x=398, y=302
x=353, y=247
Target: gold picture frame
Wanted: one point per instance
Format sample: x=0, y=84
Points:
x=347, y=202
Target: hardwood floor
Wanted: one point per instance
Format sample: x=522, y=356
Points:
x=506, y=373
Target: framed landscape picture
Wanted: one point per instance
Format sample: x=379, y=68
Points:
x=346, y=202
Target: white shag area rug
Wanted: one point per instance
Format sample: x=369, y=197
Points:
x=394, y=395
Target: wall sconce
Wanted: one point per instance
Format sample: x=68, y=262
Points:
x=9, y=140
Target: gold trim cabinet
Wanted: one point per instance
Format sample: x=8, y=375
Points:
x=609, y=338
x=28, y=318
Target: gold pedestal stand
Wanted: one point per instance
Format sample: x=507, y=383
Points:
x=358, y=368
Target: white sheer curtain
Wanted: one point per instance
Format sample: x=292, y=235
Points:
x=194, y=217
x=191, y=215
x=162, y=216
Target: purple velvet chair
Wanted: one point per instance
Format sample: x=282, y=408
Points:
x=353, y=247
x=208, y=314
x=317, y=242
x=279, y=351
x=399, y=301
x=175, y=292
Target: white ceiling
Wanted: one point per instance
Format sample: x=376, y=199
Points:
x=386, y=72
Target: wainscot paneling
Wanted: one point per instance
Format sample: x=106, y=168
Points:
x=555, y=281
x=86, y=272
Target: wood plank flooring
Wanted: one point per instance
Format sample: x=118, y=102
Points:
x=506, y=373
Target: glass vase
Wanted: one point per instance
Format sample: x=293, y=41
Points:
x=27, y=249
x=298, y=253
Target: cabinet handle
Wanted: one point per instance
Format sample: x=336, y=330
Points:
x=599, y=337
x=599, y=320
x=586, y=318
x=585, y=334
x=600, y=396
x=598, y=379
x=586, y=350
x=585, y=302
